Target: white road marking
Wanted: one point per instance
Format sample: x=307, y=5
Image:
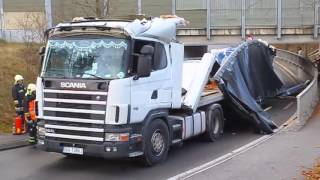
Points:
x=220, y=160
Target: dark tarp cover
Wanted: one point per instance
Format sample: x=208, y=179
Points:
x=247, y=77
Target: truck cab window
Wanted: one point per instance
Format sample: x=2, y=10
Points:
x=159, y=59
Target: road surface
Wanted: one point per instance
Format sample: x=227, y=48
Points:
x=29, y=163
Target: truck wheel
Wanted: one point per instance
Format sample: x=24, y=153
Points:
x=215, y=124
x=156, y=143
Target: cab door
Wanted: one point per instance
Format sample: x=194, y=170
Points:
x=153, y=92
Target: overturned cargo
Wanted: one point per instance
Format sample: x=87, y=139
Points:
x=251, y=73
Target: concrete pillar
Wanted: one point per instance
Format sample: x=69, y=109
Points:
x=316, y=18
x=243, y=19
x=279, y=18
x=48, y=11
x=173, y=7
x=208, y=19
x=139, y=7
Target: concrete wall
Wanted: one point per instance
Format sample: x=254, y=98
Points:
x=304, y=70
x=123, y=7
x=66, y=10
x=156, y=7
x=23, y=5
x=300, y=23
x=197, y=18
x=23, y=20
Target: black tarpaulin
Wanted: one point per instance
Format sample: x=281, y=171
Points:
x=246, y=78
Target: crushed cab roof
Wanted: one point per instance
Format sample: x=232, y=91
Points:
x=163, y=28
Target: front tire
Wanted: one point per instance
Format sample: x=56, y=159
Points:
x=156, y=142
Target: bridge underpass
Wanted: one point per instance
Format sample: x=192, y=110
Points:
x=223, y=37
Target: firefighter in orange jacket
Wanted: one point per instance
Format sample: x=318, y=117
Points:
x=18, y=93
x=30, y=112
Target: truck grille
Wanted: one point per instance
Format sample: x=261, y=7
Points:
x=74, y=116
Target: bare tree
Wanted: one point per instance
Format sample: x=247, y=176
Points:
x=32, y=25
x=89, y=7
x=98, y=8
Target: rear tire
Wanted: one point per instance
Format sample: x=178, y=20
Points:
x=156, y=142
x=214, y=124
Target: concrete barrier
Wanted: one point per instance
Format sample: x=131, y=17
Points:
x=302, y=69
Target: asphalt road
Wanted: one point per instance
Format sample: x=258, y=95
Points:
x=29, y=163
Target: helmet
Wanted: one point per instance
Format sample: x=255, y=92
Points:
x=17, y=78
x=31, y=88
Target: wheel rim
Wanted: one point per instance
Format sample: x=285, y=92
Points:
x=216, y=125
x=157, y=142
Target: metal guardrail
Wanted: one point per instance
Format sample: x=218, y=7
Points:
x=304, y=70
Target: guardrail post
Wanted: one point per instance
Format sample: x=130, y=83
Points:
x=48, y=11
x=208, y=19
x=279, y=18
x=173, y=7
x=139, y=7
x=243, y=19
x=316, y=18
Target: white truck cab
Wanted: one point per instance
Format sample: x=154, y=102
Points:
x=114, y=88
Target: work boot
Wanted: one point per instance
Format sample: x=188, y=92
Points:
x=32, y=140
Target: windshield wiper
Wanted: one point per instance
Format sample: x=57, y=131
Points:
x=95, y=76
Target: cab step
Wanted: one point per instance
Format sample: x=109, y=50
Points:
x=176, y=141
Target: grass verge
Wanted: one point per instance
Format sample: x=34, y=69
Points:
x=16, y=58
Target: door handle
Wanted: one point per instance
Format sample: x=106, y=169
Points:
x=154, y=94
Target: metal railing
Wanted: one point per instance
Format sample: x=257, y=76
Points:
x=279, y=14
x=225, y=14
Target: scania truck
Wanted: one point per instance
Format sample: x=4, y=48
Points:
x=119, y=89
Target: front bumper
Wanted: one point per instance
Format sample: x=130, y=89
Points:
x=131, y=148
x=117, y=149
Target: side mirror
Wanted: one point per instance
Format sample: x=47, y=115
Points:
x=144, y=62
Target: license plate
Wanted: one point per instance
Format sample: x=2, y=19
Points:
x=73, y=150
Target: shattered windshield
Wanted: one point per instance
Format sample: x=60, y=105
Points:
x=105, y=57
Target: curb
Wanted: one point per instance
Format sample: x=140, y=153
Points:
x=14, y=145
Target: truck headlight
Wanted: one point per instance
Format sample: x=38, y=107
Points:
x=120, y=137
x=41, y=131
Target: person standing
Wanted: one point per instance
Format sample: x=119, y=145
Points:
x=30, y=112
x=18, y=93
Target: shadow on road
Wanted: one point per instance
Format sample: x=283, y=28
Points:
x=194, y=152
